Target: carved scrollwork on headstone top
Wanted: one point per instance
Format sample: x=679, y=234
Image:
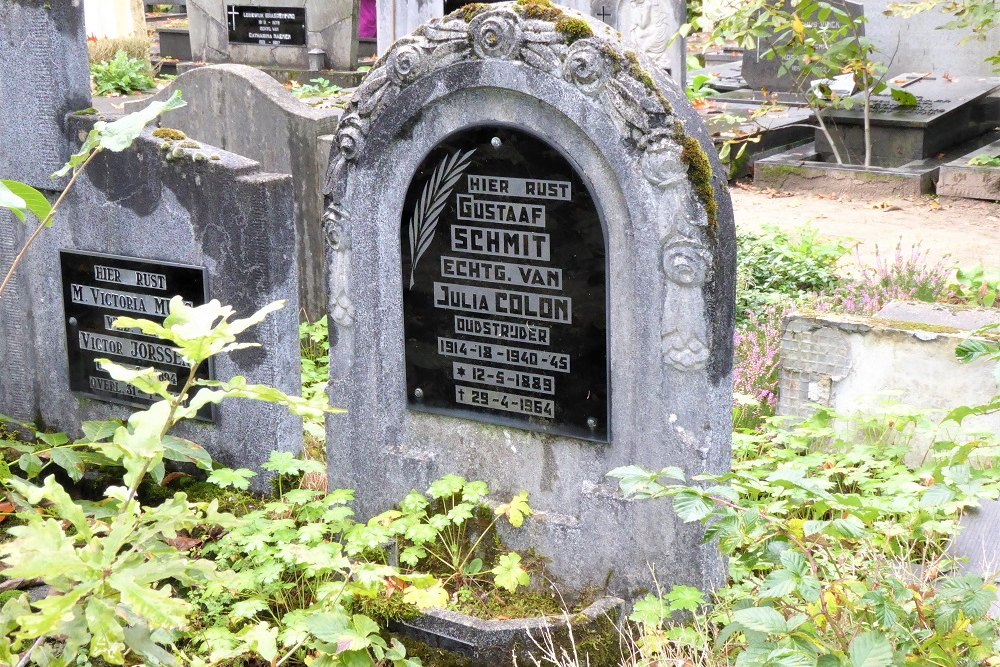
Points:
x=598, y=66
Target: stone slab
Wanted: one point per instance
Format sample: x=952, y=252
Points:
x=939, y=314
x=802, y=169
x=948, y=113
x=670, y=280
x=43, y=67
x=783, y=128
x=855, y=364
x=331, y=27
x=723, y=77
x=223, y=214
x=757, y=98
x=763, y=73
x=273, y=128
x=978, y=541
x=960, y=179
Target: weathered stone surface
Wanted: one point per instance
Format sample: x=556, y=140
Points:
x=938, y=314
x=854, y=364
x=511, y=642
x=223, y=214
x=979, y=542
x=646, y=25
x=274, y=129
x=670, y=245
x=331, y=26
x=43, y=67
x=960, y=179
x=919, y=44
x=762, y=72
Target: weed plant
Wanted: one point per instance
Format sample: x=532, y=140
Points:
x=121, y=75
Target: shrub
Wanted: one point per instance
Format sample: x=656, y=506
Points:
x=103, y=50
x=120, y=75
x=907, y=276
x=778, y=267
x=755, y=366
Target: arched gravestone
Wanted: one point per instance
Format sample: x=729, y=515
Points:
x=531, y=267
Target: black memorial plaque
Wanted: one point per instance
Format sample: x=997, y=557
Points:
x=267, y=26
x=504, y=286
x=99, y=288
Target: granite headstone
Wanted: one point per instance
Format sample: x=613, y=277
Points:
x=531, y=275
x=279, y=34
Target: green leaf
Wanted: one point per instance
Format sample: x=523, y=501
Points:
x=684, y=598
x=761, y=619
x=871, y=649
x=516, y=510
x=139, y=639
x=21, y=198
x=69, y=460
x=95, y=431
x=107, y=637
x=691, y=505
x=446, y=487
x=508, y=573
x=237, y=479
x=649, y=611
x=779, y=584
x=119, y=135
x=903, y=97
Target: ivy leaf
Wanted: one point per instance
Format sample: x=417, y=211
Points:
x=508, y=573
x=20, y=198
x=516, y=510
x=226, y=477
x=871, y=649
x=761, y=619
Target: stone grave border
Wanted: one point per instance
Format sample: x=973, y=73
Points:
x=960, y=179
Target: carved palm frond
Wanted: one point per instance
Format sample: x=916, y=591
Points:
x=423, y=223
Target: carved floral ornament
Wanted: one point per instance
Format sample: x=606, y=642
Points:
x=598, y=67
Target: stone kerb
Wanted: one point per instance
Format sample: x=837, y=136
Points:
x=247, y=112
x=671, y=264
x=195, y=206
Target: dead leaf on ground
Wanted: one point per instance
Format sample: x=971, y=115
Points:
x=885, y=206
x=169, y=477
x=5, y=509
x=184, y=543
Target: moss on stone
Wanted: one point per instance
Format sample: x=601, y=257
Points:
x=469, y=11
x=542, y=10
x=232, y=501
x=598, y=644
x=89, y=111
x=189, y=144
x=433, y=657
x=169, y=134
x=646, y=79
x=699, y=171
x=573, y=29
x=6, y=596
x=386, y=609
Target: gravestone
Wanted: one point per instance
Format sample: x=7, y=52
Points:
x=273, y=128
x=761, y=72
x=647, y=25
x=43, y=67
x=531, y=275
x=278, y=34
x=958, y=178
x=948, y=112
x=137, y=228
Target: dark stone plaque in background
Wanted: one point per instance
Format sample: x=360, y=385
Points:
x=97, y=289
x=505, y=286
x=267, y=26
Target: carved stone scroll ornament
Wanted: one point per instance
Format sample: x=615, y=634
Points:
x=599, y=67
